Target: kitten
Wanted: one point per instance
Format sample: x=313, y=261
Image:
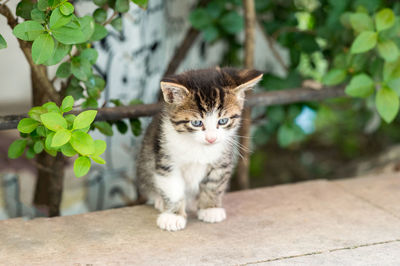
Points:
x=188, y=149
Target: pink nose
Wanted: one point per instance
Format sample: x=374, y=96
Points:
x=211, y=139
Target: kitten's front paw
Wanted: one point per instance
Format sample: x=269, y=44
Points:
x=171, y=222
x=211, y=215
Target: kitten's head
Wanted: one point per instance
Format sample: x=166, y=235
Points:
x=207, y=103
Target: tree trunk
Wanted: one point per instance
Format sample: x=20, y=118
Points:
x=50, y=175
x=244, y=131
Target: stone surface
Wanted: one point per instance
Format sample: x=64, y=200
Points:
x=380, y=193
x=375, y=254
x=329, y=219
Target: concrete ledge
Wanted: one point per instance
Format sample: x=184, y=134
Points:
x=353, y=221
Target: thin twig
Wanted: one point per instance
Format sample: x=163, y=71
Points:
x=108, y=21
x=244, y=130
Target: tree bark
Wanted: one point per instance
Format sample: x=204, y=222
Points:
x=244, y=131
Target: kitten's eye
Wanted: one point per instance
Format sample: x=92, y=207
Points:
x=223, y=121
x=196, y=123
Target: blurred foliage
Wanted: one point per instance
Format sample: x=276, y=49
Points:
x=335, y=42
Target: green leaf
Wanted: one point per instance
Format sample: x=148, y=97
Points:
x=43, y=4
x=384, y=19
x=200, y=18
x=232, y=22
x=82, y=143
x=388, y=50
x=69, y=34
x=81, y=68
x=116, y=102
x=135, y=102
x=67, y=9
x=100, y=15
x=96, y=81
x=60, y=51
x=35, y=112
x=99, y=33
x=24, y=9
x=81, y=166
x=100, y=2
x=93, y=92
x=98, y=159
x=122, y=127
x=84, y=119
x=54, y=121
x=122, y=6
x=104, y=128
x=136, y=126
x=17, y=148
x=42, y=48
x=70, y=118
x=51, y=107
x=365, y=41
x=75, y=91
x=210, y=33
x=64, y=70
x=27, y=125
x=51, y=152
x=117, y=24
x=3, y=43
x=361, y=22
x=99, y=147
x=38, y=16
x=67, y=104
x=41, y=131
x=87, y=26
x=90, y=54
x=334, y=77
x=391, y=70
x=391, y=32
x=57, y=19
x=30, y=153
x=67, y=150
x=360, y=86
x=90, y=103
x=387, y=104
x=28, y=30
x=214, y=9
x=61, y=137
x=38, y=146
x=141, y=3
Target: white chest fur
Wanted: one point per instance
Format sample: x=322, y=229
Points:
x=190, y=157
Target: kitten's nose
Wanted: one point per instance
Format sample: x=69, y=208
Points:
x=211, y=139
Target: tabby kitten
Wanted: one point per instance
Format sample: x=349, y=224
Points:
x=188, y=149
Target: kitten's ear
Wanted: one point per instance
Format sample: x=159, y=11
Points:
x=173, y=92
x=248, y=80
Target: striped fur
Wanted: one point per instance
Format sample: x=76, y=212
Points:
x=181, y=163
